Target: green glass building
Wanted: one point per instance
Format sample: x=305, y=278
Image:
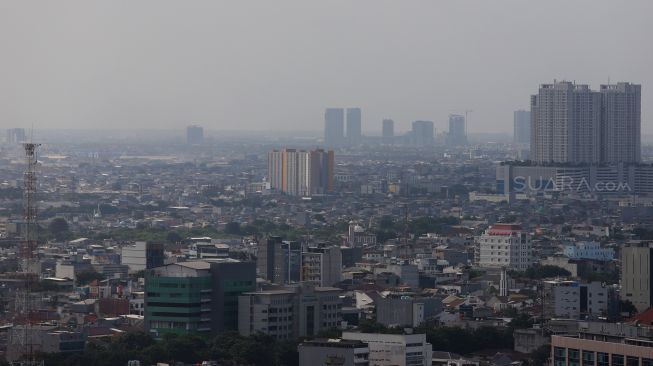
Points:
x=196, y=297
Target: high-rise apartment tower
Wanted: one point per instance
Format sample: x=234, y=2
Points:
x=388, y=131
x=457, y=134
x=194, y=135
x=423, y=133
x=354, y=130
x=301, y=172
x=334, y=127
x=570, y=123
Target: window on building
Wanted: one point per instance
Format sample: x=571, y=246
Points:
x=617, y=360
x=588, y=358
x=632, y=361
x=574, y=357
x=559, y=356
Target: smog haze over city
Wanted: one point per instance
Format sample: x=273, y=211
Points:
x=326, y=183
x=253, y=66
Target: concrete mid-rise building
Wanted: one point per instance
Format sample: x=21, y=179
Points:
x=402, y=310
x=503, y=245
x=42, y=338
x=407, y=273
x=279, y=261
x=395, y=349
x=604, y=344
x=322, y=265
x=142, y=255
x=576, y=300
x=290, y=312
x=333, y=352
x=636, y=274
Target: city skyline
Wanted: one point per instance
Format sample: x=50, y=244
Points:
x=350, y=183
x=88, y=84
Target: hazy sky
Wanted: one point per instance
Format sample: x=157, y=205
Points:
x=276, y=64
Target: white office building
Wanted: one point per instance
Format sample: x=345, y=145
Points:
x=503, y=245
x=574, y=300
x=395, y=349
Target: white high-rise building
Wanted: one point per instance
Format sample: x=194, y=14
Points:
x=621, y=123
x=566, y=124
x=573, y=124
x=275, y=169
x=503, y=245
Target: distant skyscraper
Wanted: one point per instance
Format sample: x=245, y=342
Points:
x=16, y=136
x=621, y=122
x=566, y=124
x=457, y=134
x=194, y=135
x=300, y=172
x=334, y=127
x=321, y=171
x=522, y=127
x=423, y=133
x=354, y=133
x=388, y=131
x=573, y=124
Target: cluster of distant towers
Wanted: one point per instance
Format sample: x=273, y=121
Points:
x=16, y=136
x=571, y=123
x=342, y=127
